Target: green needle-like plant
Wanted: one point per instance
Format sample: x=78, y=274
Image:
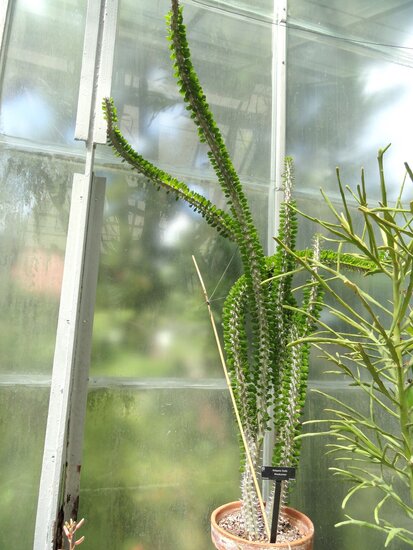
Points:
x=269, y=378
x=373, y=445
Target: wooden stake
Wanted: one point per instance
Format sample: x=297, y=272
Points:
x=234, y=403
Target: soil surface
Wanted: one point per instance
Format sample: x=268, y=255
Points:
x=233, y=524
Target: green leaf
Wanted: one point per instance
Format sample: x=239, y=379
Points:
x=378, y=507
x=393, y=533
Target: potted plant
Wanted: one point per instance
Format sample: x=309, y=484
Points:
x=267, y=378
x=369, y=342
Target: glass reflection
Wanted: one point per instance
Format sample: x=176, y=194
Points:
x=366, y=20
x=40, y=80
x=34, y=205
x=389, y=86
x=150, y=319
x=345, y=103
x=25, y=113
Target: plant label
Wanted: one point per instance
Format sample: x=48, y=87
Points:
x=278, y=473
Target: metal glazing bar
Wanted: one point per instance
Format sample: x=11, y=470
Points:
x=278, y=126
x=278, y=117
x=105, y=68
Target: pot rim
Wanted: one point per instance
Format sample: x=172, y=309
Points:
x=292, y=512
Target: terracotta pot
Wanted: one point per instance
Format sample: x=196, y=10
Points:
x=225, y=541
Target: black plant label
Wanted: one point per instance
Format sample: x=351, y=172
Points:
x=278, y=473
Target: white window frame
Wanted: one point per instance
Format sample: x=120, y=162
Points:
x=62, y=457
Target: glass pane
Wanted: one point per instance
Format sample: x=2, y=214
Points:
x=38, y=99
x=34, y=205
x=40, y=82
x=34, y=202
x=259, y=10
x=385, y=23
x=159, y=460
x=349, y=91
x=23, y=413
x=233, y=59
x=150, y=317
x=316, y=485
x=156, y=464
x=346, y=100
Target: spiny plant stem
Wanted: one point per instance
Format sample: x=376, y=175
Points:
x=251, y=458
x=252, y=253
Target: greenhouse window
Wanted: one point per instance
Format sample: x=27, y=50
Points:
x=113, y=405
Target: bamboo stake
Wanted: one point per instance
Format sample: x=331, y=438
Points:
x=234, y=403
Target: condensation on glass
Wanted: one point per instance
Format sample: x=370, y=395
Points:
x=40, y=79
x=156, y=461
x=38, y=95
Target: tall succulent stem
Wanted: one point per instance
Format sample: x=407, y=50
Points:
x=258, y=316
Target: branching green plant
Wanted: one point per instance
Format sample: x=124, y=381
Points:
x=373, y=446
x=268, y=377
